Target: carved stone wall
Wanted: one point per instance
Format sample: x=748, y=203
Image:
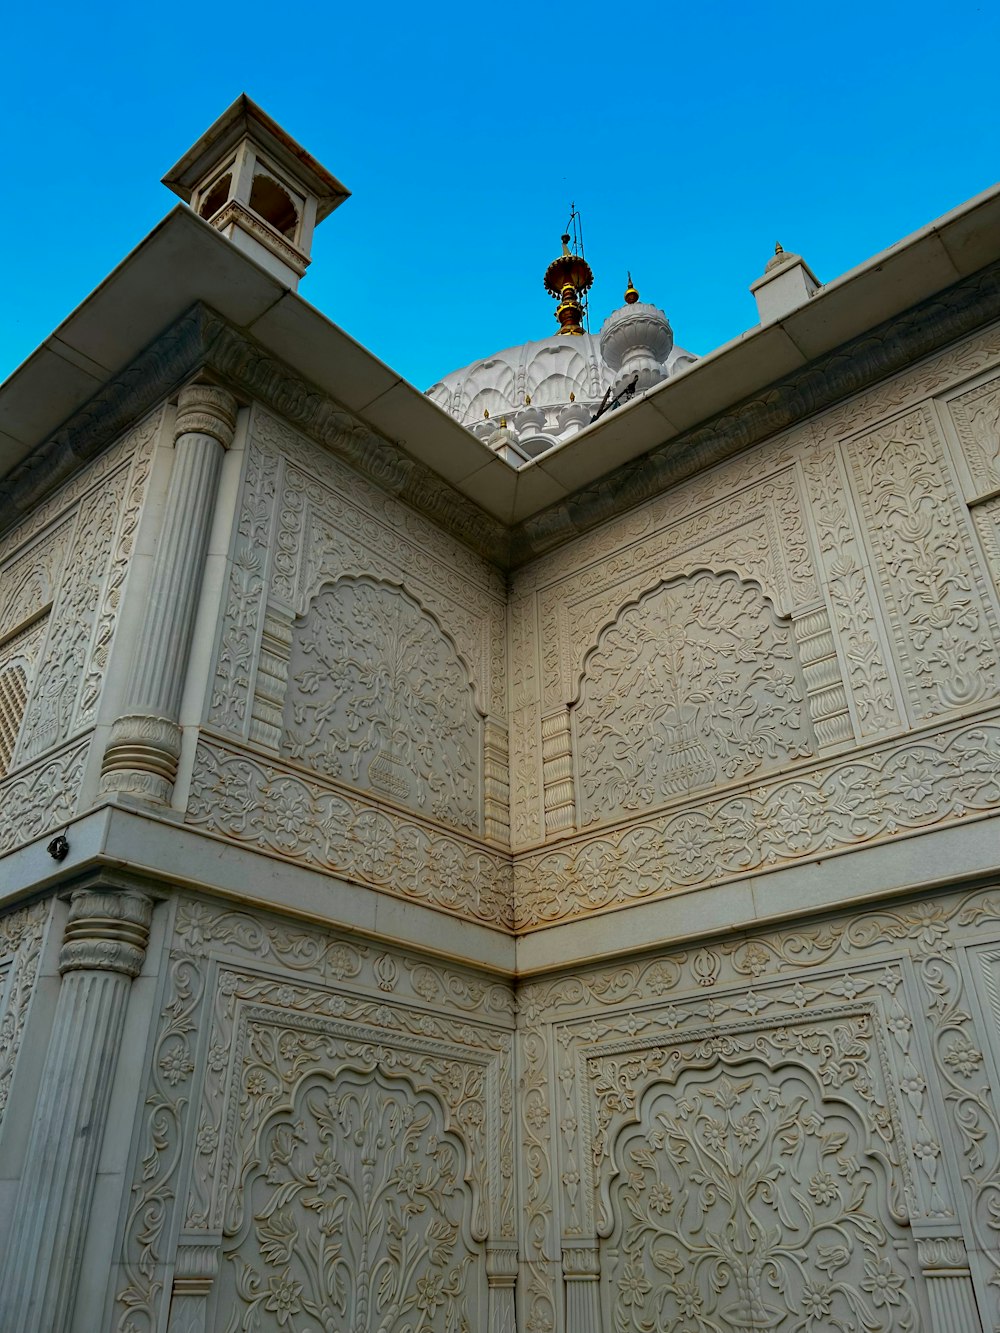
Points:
x=794, y=1129
x=62, y=572
x=378, y=698
x=348, y=1113
x=834, y=719
x=359, y=700
x=694, y=685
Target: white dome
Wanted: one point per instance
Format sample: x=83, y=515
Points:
x=547, y=390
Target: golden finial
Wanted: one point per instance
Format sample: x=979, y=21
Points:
x=503, y=423
x=572, y=396
x=778, y=248
x=631, y=295
x=486, y=415
x=527, y=400
x=568, y=278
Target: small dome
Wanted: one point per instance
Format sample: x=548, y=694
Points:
x=637, y=339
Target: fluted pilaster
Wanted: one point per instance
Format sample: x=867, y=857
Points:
x=104, y=946
x=144, y=747
x=581, y=1273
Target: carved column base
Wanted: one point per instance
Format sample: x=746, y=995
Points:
x=141, y=757
x=581, y=1273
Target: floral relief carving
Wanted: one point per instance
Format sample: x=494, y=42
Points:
x=357, y=1214
x=931, y=584
x=757, y=530
x=167, y=1119
x=852, y=599
x=236, y=796
x=30, y=579
x=748, y=1201
x=848, y=1032
x=935, y=779
x=469, y=621
x=976, y=415
x=41, y=796
x=21, y=935
x=696, y=684
x=379, y=698
x=234, y=670
x=141, y=447
x=525, y=742
x=275, y=1036
x=330, y=522
x=85, y=607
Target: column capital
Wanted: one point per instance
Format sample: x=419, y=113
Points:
x=581, y=1260
x=107, y=931
x=501, y=1264
x=942, y=1255
x=204, y=409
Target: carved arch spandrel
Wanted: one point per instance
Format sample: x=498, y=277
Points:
x=696, y=682
x=380, y=697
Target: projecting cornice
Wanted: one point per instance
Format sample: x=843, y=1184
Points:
x=201, y=341
x=144, y=333
x=885, y=350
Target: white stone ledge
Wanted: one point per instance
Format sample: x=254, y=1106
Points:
x=154, y=849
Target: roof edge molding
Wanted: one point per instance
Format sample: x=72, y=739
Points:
x=202, y=340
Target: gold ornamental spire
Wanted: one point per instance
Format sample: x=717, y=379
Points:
x=569, y=278
x=631, y=295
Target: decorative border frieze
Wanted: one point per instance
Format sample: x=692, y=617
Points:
x=277, y=810
x=932, y=780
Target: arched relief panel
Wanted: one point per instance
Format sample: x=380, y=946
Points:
x=758, y=531
x=333, y=551
x=696, y=684
x=746, y=1197
x=379, y=697
x=356, y=1214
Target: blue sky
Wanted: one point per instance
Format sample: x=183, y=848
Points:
x=690, y=140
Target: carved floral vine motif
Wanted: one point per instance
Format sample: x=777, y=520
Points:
x=976, y=415
x=944, y=628
x=357, y=1213
x=696, y=683
x=641, y=1053
x=41, y=796
x=379, y=698
x=294, y=1027
x=747, y=1200
x=935, y=779
x=21, y=934
x=266, y=806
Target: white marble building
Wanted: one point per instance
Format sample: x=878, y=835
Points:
x=444, y=890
